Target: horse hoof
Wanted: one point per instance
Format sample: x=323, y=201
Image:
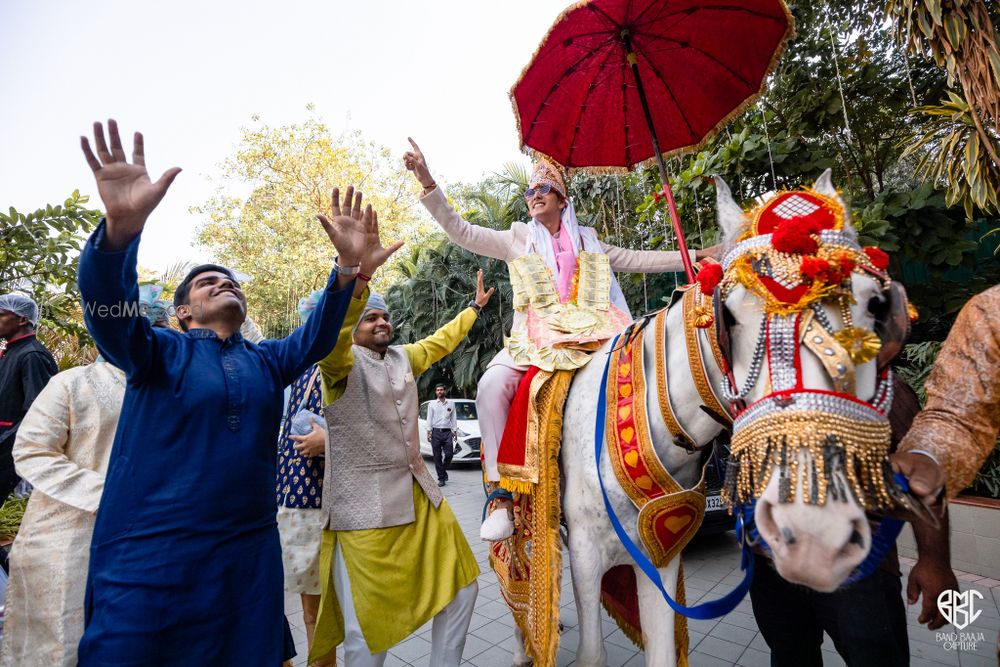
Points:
x=528, y=663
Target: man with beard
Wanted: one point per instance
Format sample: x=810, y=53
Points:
x=185, y=564
x=393, y=554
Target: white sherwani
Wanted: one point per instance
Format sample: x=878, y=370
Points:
x=499, y=382
x=62, y=449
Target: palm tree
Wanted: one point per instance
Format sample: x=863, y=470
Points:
x=960, y=139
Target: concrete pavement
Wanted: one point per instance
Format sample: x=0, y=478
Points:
x=711, y=566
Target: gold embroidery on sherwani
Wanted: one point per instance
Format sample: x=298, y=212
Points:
x=594, y=287
x=565, y=333
x=528, y=565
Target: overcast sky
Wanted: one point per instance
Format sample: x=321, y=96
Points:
x=189, y=74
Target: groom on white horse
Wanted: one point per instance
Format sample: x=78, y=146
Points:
x=564, y=254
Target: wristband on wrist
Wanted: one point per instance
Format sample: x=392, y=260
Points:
x=475, y=306
x=431, y=186
x=348, y=271
x=365, y=277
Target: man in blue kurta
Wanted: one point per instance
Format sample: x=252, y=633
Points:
x=185, y=564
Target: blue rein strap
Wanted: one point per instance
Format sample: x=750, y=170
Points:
x=883, y=540
x=496, y=493
x=710, y=609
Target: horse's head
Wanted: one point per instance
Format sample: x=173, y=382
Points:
x=812, y=320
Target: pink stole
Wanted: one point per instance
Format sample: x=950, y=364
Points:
x=562, y=247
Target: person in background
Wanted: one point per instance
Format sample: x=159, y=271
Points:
x=62, y=450
x=552, y=259
x=25, y=367
x=442, y=431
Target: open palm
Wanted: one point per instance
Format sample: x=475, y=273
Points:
x=128, y=194
x=354, y=232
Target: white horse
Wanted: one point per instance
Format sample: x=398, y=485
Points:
x=816, y=545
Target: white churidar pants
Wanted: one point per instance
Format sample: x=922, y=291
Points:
x=448, y=630
x=493, y=398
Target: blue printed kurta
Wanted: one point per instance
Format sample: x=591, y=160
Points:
x=185, y=565
x=300, y=478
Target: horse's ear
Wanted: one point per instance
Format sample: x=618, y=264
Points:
x=731, y=216
x=824, y=184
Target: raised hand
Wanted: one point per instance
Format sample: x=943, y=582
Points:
x=415, y=162
x=348, y=226
x=482, y=296
x=376, y=254
x=126, y=190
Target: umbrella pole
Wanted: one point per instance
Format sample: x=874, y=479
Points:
x=674, y=218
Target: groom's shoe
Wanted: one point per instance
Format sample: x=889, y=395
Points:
x=499, y=525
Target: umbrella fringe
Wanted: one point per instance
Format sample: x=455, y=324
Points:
x=651, y=161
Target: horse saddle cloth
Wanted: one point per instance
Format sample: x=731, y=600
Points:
x=669, y=515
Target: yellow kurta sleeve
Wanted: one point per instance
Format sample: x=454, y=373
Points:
x=960, y=421
x=335, y=367
x=426, y=352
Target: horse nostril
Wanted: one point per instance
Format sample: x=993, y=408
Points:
x=857, y=539
x=789, y=536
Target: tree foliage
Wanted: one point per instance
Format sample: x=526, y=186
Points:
x=960, y=142
x=270, y=232
x=437, y=282
x=39, y=253
x=843, y=52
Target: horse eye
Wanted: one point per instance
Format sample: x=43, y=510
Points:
x=878, y=306
x=727, y=317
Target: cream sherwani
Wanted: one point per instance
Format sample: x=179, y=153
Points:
x=62, y=449
x=499, y=382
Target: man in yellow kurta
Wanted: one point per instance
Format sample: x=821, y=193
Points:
x=393, y=555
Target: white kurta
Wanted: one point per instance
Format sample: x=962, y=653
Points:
x=62, y=449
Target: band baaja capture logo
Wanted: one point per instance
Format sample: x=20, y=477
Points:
x=959, y=609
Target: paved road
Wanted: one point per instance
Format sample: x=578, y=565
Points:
x=711, y=569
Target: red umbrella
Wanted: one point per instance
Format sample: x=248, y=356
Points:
x=616, y=83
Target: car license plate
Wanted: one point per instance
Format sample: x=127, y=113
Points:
x=713, y=503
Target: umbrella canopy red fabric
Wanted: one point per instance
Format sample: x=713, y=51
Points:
x=700, y=63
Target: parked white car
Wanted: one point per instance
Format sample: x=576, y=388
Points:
x=467, y=447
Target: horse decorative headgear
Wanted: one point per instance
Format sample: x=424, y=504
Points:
x=797, y=255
